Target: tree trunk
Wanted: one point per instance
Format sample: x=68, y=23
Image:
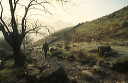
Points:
x=14, y=40
x=16, y=46
x=17, y=55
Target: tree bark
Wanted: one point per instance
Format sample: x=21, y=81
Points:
x=17, y=55
x=19, y=59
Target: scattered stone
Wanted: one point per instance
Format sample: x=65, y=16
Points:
x=53, y=75
x=88, y=76
x=93, y=63
x=102, y=63
x=71, y=58
x=121, y=67
x=26, y=65
x=103, y=49
x=32, y=72
x=97, y=70
x=56, y=53
x=84, y=61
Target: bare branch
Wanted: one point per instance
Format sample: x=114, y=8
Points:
x=23, y=19
x=13, y=21
x=2, y=16
x=15, y=4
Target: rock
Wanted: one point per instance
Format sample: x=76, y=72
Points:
x=71, y=58
x=26, y=65
x=88, y=76
x=23, y=81
x=41, y=67
x=53, y=75
x=93, y=63
x=121, y=67
x=32, y=72
x=102, y=63
x=103, y=49
x=61, y=57
x=97, y=70
x=84, y=61
x=57, y=53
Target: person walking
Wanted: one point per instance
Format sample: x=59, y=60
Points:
x=45, y=48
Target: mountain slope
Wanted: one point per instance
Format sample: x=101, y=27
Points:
x=113, y=27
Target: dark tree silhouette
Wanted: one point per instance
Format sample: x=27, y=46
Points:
x=12, y=32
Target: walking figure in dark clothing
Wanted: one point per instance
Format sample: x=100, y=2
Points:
x=45, y=48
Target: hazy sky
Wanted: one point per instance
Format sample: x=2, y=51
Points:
x=92, y=9
x=82, y=11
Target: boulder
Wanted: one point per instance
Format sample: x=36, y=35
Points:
x=52, y=75
x=32, y=72
x=121, y=67
x=102, y=63
x=89, y=77
x=103, y=49
x=97, y=70
x=71, y=58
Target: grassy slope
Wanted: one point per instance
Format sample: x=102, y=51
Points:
x=105, y=28
x=53, y=37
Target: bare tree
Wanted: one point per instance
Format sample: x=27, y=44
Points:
x=15, y=32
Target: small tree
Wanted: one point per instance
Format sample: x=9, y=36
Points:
x=15, y=32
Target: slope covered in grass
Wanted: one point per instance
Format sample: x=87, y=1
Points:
x=53, y=37
x=112, y=27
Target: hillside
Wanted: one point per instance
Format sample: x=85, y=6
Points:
x=112, y=27
x=53, y=37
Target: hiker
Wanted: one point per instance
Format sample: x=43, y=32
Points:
x=52, y=50
x=45, y=48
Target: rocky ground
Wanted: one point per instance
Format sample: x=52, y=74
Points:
x=61, y=67
x=98, y=72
